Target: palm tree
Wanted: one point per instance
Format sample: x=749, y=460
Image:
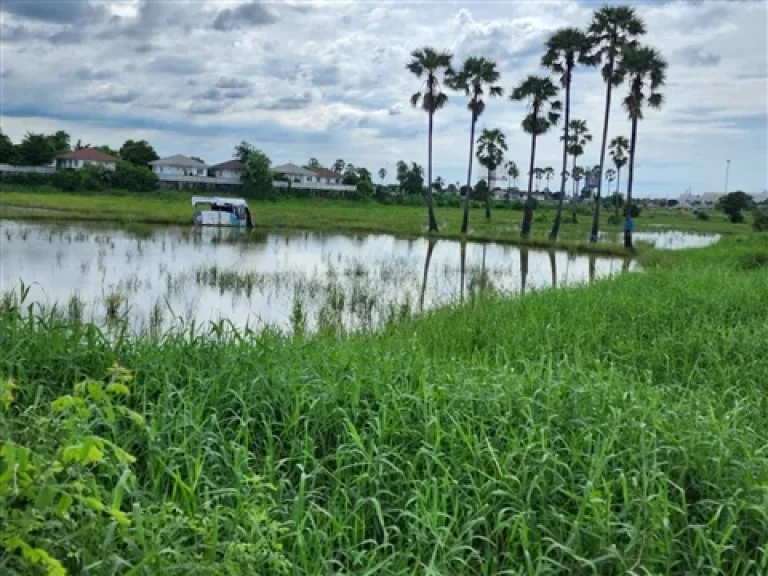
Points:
x=618, y=149
x=647, y=72
x=433, y=64
x=382, y=174
x=512, y=172
x=610, y=176
x=538, y=174
x=477, y=75
x=549, y=173
x=577, y=174
x=565, y=48
x=338, y=166
x=490, y=152
x=612, y=29
x=544, y=112
x=578, y=138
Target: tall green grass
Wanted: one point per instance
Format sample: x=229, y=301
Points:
x=617, y=428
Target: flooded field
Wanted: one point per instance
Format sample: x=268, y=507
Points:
x=156, y=278
x=665, y=239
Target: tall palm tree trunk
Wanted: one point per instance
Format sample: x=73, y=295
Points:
x=465, y=218
x=618, y=189
x=430, y=209
x=528, y=211
x=430, y=248
x=488, y=197
x=630, y=177
x=556, y=224
x=596, y=214
x=573, y=177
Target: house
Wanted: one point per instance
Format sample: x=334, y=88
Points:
x=230, y=169
x=296, y=174
x=178, y=165
x=325, y=176
x=86, y=157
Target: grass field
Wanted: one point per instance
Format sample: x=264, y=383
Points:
x=612, y=429
x=337, y=215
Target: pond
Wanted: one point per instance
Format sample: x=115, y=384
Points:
x=665, y=239
x=156, y=278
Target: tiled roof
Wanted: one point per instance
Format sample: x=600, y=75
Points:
x=178, y=160
x=293, y=169
x=89, y=154
x=325, y=173
x=228, y=165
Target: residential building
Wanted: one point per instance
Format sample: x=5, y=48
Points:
x=230, y=169
x=85, y=157
x=325, y=176
x=296, y=174
x=178, y=165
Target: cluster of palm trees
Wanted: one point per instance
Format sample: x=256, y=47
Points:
x=611, y=40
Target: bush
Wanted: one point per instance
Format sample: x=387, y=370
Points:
x=135, y=178
x=702, y=216
x=364, y=189
x=634, y=211
x=67, y=180
x=736, y=217
x=760, y=223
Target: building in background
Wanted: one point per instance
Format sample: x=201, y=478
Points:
x=178, y=165
x=86, y=157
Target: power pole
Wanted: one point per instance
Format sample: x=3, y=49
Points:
x=727, y=169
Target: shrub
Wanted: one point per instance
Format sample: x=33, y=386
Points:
x=760, y=223
x=702, y=216
x=364, y=189
x=67, y=180
x=634, y=211
x=135, y=178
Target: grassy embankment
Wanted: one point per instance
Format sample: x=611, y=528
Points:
x=336, y=215
x=619, y=428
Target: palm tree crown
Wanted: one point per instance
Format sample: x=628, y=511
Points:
x=566, y=48
x=540, y=92
x=618, y=148
x=611, y=30
x=477, y=75
x=512, y=170
x=430, y=63
x=491, y=146
x=647, y=72
x=578, y=137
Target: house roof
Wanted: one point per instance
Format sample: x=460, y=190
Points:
x=293, y=169
x=325, y=173
x=89, y=154
x=228, y=165
x=178, y=160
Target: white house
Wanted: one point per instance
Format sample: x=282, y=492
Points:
x=231, y=169
x=179, y=165
x=325, y=176
x=296, y=174
x=86, y=156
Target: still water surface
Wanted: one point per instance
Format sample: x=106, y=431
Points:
x=160, y=277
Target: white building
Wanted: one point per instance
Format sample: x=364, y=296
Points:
x=179, y=165
x=296, y=174
x=325, y=176
x=231, y=169
x=86, y=156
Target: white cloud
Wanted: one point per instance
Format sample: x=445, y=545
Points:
x=328, y=80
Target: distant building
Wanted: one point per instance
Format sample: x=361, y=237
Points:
x=296, y=174
x=178, y=165
x=86, y=157
x=230, y=169
x=325, y=176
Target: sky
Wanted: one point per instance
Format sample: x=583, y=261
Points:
x=301, y=79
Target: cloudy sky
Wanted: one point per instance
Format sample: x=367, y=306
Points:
x=327, y=79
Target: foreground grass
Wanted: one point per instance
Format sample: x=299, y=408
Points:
x=600, y=430
x=336, y=215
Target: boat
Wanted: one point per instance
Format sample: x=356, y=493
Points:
x=215, y=211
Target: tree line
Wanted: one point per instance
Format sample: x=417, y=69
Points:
x=609, y=41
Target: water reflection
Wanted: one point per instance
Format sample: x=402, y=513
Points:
x=157, y=277
x=664, y=239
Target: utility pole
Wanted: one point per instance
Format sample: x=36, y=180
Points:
x=727, y=169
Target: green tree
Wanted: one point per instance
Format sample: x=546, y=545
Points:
x=36, y=150
x=338, y=166
x=313, y=164
x=733, y=203
x=618, y=150
x=611, y=31
x=490, y=153
x=138, y=152
x=435, y=66
x=413, y=180
x=578, y=138
x=481, y=190
x=365, y=189
x=107, y=150
x=512, y=172
x=256, y=176
x=60, y=142
x=382, y=174
x=544, y=112
x=646, y=70
x=9, y=154
x=364, y=174
x=476, y=77
x=565, y=48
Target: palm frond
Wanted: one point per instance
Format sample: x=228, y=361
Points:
x=415, y=99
